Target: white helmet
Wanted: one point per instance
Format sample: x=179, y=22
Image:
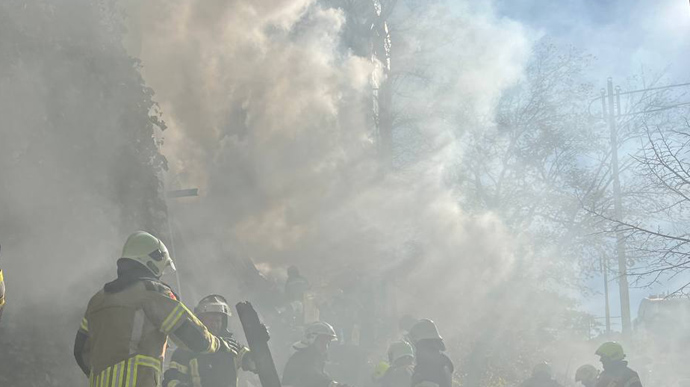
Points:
x=314, y=330
x=214, y=303
x=149, y=251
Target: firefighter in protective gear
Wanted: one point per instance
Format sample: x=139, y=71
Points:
x=433, y=367
x=542, y=376
x=124, y=332
x=616, y=372
x=295, y=285
x=305, y=368
x=401, y=360
x=587, y=375
x=188, y=369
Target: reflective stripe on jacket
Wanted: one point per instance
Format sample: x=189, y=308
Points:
x=2, y=292
x=205, y=370
x=135, y=371
x=123, y=335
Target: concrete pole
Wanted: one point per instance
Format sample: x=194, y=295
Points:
x=605, y=269
x=618, y=210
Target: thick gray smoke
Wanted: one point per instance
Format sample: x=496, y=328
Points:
x=269, y=116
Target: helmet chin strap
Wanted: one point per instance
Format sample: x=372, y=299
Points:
x=224, y=326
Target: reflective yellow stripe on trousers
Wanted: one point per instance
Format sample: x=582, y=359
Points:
x=124, y=373
x=194, y=372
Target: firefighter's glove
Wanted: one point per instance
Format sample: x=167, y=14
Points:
x=229, y=345
x=248, y=363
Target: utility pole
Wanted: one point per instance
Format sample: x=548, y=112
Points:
x=381, y=46
x=605, y=270
x=618, y=206
x=610, y=114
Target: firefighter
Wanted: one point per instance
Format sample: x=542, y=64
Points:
x=616, y=372
x=2, y=293
x=542, y=376
x=401, y=361
x=306, y=367
x=189, y=369
x=587, y=375
x=124, y=332
x=295, y=285
x=433, y=367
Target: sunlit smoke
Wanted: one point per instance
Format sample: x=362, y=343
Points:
x=269, y=117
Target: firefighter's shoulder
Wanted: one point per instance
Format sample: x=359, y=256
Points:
x=96, y=300
x=159, y=287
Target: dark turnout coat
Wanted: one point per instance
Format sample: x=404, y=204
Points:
x=220, y=369
x=306, y=368
x=618, y=375
x=434, y=367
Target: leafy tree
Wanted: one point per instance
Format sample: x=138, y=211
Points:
x=80, y=171
x=529, y=168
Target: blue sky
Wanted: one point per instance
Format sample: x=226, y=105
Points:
x=626, y=36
